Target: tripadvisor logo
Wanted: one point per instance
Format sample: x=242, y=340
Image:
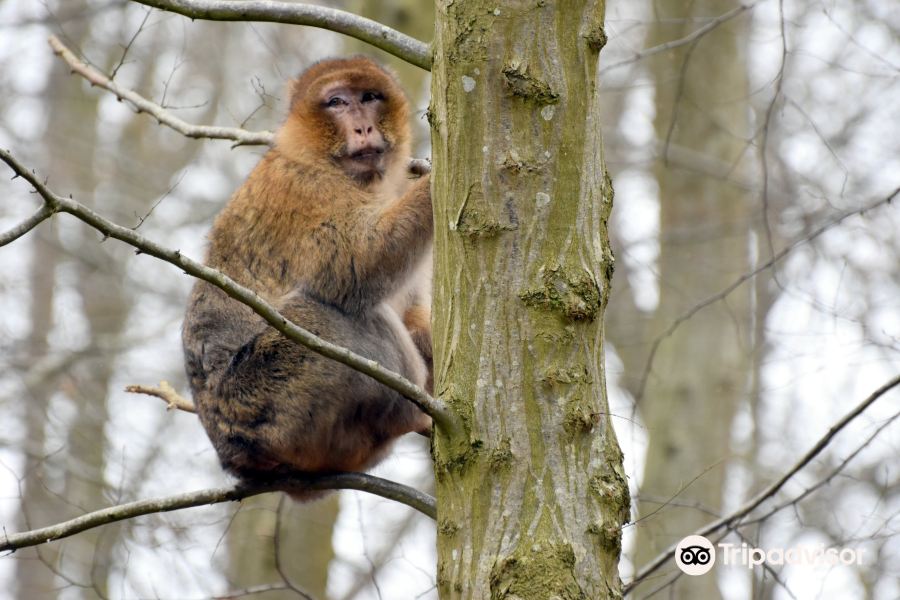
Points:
x=695, y=555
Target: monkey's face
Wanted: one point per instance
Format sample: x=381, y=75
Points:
x=351, y=113
x=355, y=114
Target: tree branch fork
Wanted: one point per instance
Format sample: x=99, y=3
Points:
x=390, y=40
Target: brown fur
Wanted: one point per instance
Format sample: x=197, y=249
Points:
x=339, y=245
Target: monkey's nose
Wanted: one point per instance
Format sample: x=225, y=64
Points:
x=364, y=132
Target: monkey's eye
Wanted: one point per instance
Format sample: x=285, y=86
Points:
x=335, y=101
x=371, y=97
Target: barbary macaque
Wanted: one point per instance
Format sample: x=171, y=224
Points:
x=331, y=230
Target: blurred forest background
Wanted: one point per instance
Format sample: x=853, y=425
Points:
x=735, y=134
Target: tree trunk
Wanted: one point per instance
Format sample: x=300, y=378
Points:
x=46, y=472
x=532, y=499
x=700, y=373
x=38, y=505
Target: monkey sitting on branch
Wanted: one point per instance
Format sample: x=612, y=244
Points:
x=330, y=230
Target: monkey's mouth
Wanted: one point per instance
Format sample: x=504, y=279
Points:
x=367, y=154
x=365, y=164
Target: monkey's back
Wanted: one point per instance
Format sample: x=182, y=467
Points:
x=266, y=402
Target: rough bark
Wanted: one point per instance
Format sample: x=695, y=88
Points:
x=532, y=498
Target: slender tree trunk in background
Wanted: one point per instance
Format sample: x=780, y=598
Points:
x=105, y=306
x=33, y=579
x=107, y=303
x=532, y=500
x=701, y=373
x=304, y=534
x=72, y=121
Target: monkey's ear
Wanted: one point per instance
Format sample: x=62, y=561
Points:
x=293, y=92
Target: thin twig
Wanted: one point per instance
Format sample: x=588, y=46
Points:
x=128, y=46
x=391, y=41
x=771, y=490
x=768, y=568
x=764, y=142
x=417, y=166
x=78, y=13
x=163, y=116
x=724, y=293
x=11, y=235
x=824, y=480
x=411, y=497
x=669, y=501
x=167, y=393
x=437, y=410
x=688, y=39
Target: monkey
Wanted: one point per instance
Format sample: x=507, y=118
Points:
x=328, y=228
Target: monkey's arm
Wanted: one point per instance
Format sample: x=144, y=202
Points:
x=403, y=231
x=417, y=320
x=385, y=243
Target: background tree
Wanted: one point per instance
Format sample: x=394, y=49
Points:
x=729, y=356
x=689, y=395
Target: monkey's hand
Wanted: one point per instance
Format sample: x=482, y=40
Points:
x=419, y=166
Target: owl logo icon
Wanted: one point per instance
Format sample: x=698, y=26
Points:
x=695, y=555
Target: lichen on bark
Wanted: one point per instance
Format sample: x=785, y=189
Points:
x=536, y=573
x=525, y=85
x=576, y=296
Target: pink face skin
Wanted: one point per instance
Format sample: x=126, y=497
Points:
x=356, y=114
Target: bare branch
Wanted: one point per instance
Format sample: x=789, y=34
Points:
x=42, y=214
x=688, y=39
x=411, y=497
x=764, y=142
x=166, y=392
x=128, y=46
x=827, y=478
x=724, y=293
x=811, y=454
x=163, y=116
x=437, y=410
x=77, y=13
x=391, y=41
x=671, y=500
x=417, y=166
x=729, y=520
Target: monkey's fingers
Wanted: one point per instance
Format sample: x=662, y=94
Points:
x=419, y=166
